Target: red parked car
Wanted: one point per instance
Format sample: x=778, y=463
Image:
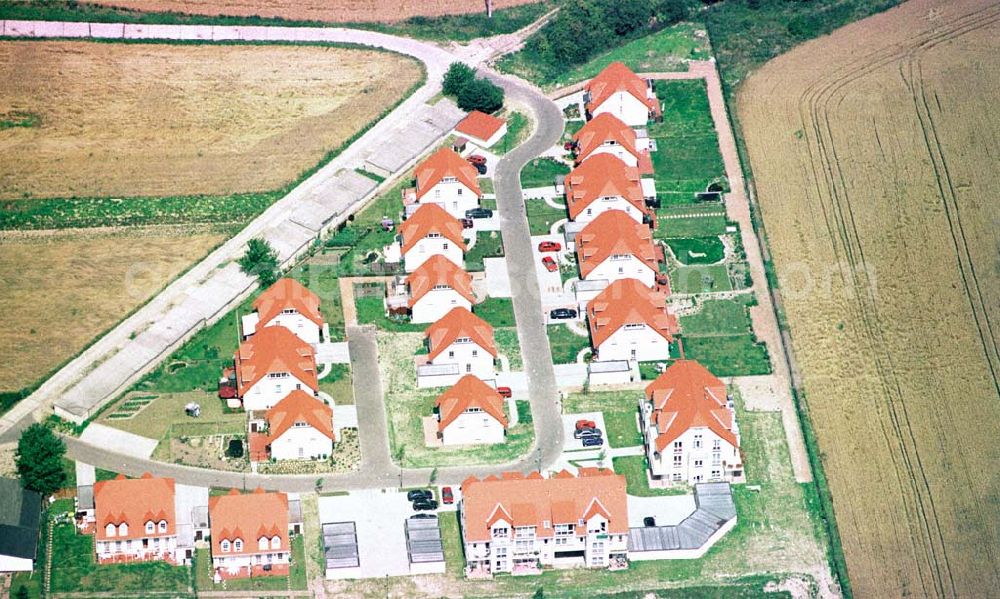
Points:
x=550, y=264
x=582, y=424
x=549, y=246
x=476, y=159
x=505, y=391
x=447, y=496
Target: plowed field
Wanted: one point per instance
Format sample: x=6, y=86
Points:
x=876, y=158
x=169, y=120
x=336, y=11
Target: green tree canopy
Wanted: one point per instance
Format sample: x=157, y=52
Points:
x=456, y=78
x=39, y=460
x=261, y=261
x=480, y=94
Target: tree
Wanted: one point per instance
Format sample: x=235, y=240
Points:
x=39, y=460
x=22, y=592
x=260, y=261
x=456, y=78
x=482, y=95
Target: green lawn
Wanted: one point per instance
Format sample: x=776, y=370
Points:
x=486, y=185
x=321, y=278
x=634, y=468
x=518, y=130
x=663, y=51
x=565, y=344
x=371, y=310
x=541, y=216
x=204, y=582
x=338, y=384
x=508, y=345
x=489, y=244
x=719, y=317
x=75, y=568
x=488, y=203
x=498, y=311
x=541, y=172
x=406, y=406
x=687, y=157
x=735, y=355
x=697, y=250
x=619, y=409
x=700, y=279
x=691, y=226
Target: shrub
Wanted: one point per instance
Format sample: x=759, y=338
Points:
x=471, y=93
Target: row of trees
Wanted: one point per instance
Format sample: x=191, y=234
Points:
x=583, y=28
x=471, y=92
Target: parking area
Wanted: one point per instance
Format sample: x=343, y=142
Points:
x=550, y=283
x=569, y=427
x=379, y=518
x=665, y=510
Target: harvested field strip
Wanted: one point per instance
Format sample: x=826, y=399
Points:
x=890, y=193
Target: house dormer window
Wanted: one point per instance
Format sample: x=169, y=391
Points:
x=276, y=542
x=224, y=545
x=441, y=287
x=288, y=311
x=633, y=326
x=433, y=235
x=473, y=410
x=163, y=526
x=448, y=179
x=262, y=543
x=300, y=424
x=238, y=545
x=463, y=340
x=123, y=529
x=110, y=530
x=150, y=527
x=277, y=375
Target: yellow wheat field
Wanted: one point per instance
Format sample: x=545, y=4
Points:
x=876, y=158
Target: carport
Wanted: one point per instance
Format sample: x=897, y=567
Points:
x=424, y=546
x=340, y=550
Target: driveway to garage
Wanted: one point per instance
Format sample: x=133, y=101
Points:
x=379, y=518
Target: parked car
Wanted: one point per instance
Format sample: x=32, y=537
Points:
x=480, y=168
x=569, y=146
x=415, y=494
x=662, y=279
x=505, y=392
x=593, y=441
x=583, y=433
x=478, y=213
x=423, y=516
x=549, y=246
x=562, y=313
x=652, y=202
x=550, y=264
x=447, y=496
x=582, y=424
x=467, y=223
x=425, y=504
x=649, y=521
x=476, y=159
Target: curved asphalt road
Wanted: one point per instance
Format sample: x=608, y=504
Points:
x=377, y=469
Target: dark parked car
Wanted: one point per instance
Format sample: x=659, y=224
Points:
x=416, y=494
x=562, y=313
x=592, y=441
x=653, y=202
x=467, y=223
x=425, y=504
x=480, y=168
x=478, y=213
x=583, y=433
x=447, y=497
x=649, y=521
x=422, y=516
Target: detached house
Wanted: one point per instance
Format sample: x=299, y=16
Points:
x=437, y=287
x=516, y=523
x=431, y=231
x=448, y=180
x=464, y=340
x=249, y=534
x=603, y=183
x=299, y=427
x=470, y=412
x=482, y=129
x=287, y=304
x=619, y=91
x=607, y=134
x=613, y=247
x=628, y=321
x=689, y=427
x=269, y=366
x=135, y=520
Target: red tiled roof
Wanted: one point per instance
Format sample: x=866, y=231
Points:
x=134, y=502
x=602, y=175
x=274, y=349
x=248, y=517
x=614, y=233
x=427, y=219
x=617, y=77
x=299, y=406
x=287, y=294
x=480, y=125
x=445, y=163
x=603, y=128
x=456, y=324
x=686, y=395
x=469, y=392
x=438, y=270
x=628, y=301
x=532, y=500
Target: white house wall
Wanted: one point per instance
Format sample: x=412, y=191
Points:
x=618, y=151
x=301, y=443
x=473, y=428
x=303, y=328
x=630, y=267
x=602, y=205
x=453, y=196
x=647, y=344
x=432, y=246
x=689, y=468
x=436, y=303
x=626, y=107
x=471, y=359
x=267, y=392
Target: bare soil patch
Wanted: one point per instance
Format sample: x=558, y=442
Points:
x=877, y=177
x=169, y=120
x=336, y=11
x=61, y=290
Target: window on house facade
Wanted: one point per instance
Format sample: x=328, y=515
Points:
x=288, y=311
x=698, y=463
x=677, y=461
x=468, y=368
x=451, y=354
x=678, y=446
x=224, y=546
x=150, y=526
x=110, y=530
x=123, y=529
x=716, y=474
x=238, y=545
x=163, y=526
x=501, y=531
x=278, y=375
x=717, y=445
x=677, y=477
x=444, y=245
x=697, y=441
x=276, y=542
x=262, y=543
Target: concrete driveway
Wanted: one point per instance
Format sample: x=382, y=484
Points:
x=126, y=444
x=550, y=283
x=569, y=426
x=668, y=510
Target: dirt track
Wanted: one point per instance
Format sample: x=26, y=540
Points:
x=877, y=177
x=334, y=11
